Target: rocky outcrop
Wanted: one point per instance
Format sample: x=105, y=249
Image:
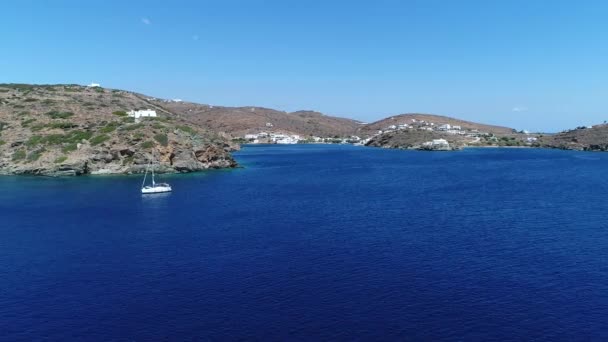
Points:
x=71, y=130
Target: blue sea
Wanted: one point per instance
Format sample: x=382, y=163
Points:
x=314, y=242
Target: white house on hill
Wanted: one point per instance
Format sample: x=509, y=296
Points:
x=146, y=113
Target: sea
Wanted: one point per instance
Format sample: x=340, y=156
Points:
x=314, y=243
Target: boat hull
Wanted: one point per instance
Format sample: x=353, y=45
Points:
x=156, y=190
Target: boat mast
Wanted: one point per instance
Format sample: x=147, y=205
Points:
x=145, y=174
x=153, y=183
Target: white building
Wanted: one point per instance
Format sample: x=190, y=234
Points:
x=444, y=127
x=146, y=113
x=440, y=142
x=437, y=143
x=93, y=85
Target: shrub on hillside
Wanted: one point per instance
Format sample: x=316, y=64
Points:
x=147, y=144
x=98, y=139
x=61, y=159
x=59, y=115
x=162, y=139
x=19, y=155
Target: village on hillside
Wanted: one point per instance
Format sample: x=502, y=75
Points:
x=474, y=136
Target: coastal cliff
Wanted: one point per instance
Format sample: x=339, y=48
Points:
x=74, y=130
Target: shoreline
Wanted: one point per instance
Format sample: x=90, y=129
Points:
x=239, y=166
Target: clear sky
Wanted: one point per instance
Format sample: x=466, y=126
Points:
x=537, y=65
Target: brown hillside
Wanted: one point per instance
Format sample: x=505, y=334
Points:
x=584, y=139
x=238, y=121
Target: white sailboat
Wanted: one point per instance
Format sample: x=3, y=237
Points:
x=155, y=188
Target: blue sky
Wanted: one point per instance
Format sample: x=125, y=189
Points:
x=537, y=65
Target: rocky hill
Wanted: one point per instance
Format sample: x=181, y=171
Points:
x=373, y=127
x=434, y=132
x=582, y=139
x=238, y=121
x=73, y=130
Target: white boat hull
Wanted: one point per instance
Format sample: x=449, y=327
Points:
x=155, y=189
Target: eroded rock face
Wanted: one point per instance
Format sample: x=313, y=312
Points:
x=106, y=161
x=214, y=157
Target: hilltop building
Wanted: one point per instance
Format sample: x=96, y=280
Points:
x=138, y=114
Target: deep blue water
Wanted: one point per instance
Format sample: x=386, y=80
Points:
x=315, y=243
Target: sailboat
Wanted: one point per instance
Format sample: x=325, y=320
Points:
x=155, y=188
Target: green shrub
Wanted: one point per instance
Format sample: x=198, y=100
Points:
x=34, y=140
x=37, y=128
x=147, y=144
x=69, y=148
x=61, y=159
x=157, y=125
x=77, y=136
x=109, y=127
x=187, y=129
x=4, y=90
x=54, y=139
x=120, y=113
x=72, y=137
x=98, y=139
x=26, y=123
x=35, y=155
x=29, y=99
x=59, y=115
x=2, y=142
x=162, y=139
x=48, y=102
x=19, y=155
x=3, y=125
x=128, y=120
x=62, y=125
x=131, y=127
